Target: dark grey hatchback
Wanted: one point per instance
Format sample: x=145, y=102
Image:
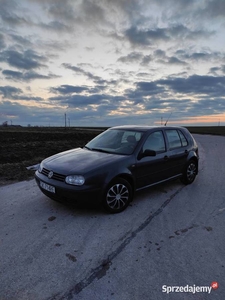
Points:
x=118, y=162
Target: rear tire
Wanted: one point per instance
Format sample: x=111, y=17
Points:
x=190, y=172
x=118, y=196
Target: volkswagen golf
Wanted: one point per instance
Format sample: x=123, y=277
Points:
x=118, y=162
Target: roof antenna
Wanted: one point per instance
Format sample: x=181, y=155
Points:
x=168, y=119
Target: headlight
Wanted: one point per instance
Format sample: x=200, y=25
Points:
x=40, y=167
x=75, y=179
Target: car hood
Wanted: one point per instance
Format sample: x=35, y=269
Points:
x=79, y=161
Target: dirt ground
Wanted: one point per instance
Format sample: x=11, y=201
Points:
x=23, y=147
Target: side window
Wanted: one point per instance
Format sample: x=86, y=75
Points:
x=173, y=139
x=183, y=139
x=155, y=142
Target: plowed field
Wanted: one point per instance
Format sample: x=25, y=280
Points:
x=23, y=147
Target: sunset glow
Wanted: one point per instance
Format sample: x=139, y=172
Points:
x=106, y=63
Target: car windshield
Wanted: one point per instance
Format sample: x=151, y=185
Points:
x=117, y=141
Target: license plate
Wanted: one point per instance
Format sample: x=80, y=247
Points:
x=47, y=187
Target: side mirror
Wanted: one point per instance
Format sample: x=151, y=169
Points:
x=146, y=153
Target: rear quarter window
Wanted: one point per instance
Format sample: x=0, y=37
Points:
x=184, y=141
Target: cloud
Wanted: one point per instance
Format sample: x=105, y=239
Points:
x=80, y=71
x=214, y=9
x=55, y=26
x=12, y=14
x=2, y=41
x=84, y=100
x=196, y=84
x=26, y=60
x=135, y=57
x=9, y=91
x=12, y=93
x=68, y=89
x=147, y=37
x=26, y=76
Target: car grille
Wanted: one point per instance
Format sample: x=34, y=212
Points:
x=55, y=176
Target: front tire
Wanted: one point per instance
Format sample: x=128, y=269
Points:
x=190, y=172
x=118, y=195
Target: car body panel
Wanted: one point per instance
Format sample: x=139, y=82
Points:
x=99, y=168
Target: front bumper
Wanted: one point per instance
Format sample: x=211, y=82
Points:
x=69, y=193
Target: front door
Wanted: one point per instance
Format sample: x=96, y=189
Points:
x=152, y=169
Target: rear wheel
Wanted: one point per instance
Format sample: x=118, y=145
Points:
x=190, y=172
x=117, y=196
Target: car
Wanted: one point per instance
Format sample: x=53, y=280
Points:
x=118, y=162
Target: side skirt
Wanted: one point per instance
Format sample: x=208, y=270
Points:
x=158, y=182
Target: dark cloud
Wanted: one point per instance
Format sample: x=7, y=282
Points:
x=161, y=57
x=145, y=37
x=80, y=71
x=175, y=61
x=21, y=40
x=55, y=26
x=25, y=76
x=68, y=89
x=11, y=14
x=2, y=41
x=131, y=57
x=62, y=10
x=161, y=37
x=199, y=56
x=135, y=57
x=196, y=84
x=213, y=9
x=9, y=91
x=214, y=70
x=26, y=60
x=84, y=100
x=12, y=93
x=223, y=68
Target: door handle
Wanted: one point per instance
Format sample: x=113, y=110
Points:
x=166, y=157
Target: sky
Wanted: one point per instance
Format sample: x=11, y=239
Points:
x=112, y=62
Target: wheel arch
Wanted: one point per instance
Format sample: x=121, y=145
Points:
x=128, y=178
x=195, y=159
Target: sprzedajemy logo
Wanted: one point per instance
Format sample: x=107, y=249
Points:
x=190, y=288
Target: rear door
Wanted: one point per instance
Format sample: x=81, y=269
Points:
x=177, y=145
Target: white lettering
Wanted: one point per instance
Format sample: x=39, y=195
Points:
x=186, y=289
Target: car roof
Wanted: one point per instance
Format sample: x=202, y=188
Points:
x=144, y=127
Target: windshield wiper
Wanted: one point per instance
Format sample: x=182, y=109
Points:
x=100, y=150
x=87, y=147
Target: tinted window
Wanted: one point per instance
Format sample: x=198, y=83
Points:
x=176, y=138
x=155, y=142
x=183, y=139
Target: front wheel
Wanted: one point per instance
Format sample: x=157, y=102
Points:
x=117, y=196
x=190, y=172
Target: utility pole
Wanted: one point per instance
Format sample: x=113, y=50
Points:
x=65, y=120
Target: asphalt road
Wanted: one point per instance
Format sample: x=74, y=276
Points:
x=171, y=235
